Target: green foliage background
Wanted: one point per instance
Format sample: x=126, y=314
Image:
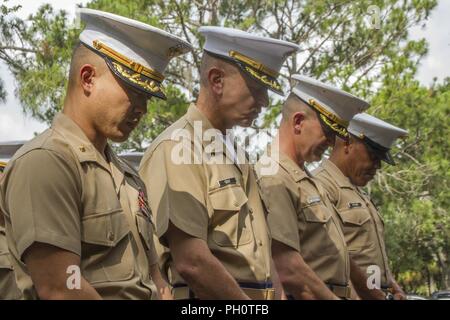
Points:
x=339, y=45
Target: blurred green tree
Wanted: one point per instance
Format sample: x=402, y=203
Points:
x=361, y=46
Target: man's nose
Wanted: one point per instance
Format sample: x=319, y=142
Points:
x=265, y=99
x=262, y=99
x=377, y=164
x=141, y=107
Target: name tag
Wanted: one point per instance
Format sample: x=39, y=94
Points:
x=313, y=199
x=226, y=182
x=352, y=205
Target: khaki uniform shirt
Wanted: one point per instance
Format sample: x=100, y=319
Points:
x=59, y=190
x=301, y=217
x=8, y=286
x=218, y=203
x=362, y=223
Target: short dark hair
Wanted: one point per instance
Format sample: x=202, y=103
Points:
x=81, y=54
x=209, y=61
x=294, y=104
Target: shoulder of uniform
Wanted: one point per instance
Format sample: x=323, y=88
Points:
x=324, y=178
x=318, y=171
x=168, y=133
x=38, y=142
x=158, y=146
x=44, y=161
x=330, y=186
x=49, y=141
x=323, y=175
x=278, y=180
x=269, y=167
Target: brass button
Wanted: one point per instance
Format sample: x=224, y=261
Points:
x=260, y=243
x=110, y=235
x=82, y=148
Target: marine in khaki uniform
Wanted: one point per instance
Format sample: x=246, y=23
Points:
x=77, y=220
x=352, y=164
x=209, y=215
x=8, y=286
x=309, y=248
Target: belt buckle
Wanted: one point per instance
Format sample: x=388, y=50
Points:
x=180, y=293
x=269, y=294
x=348, y=292
x=344, y=292
x=389, y=291
x=389, y=296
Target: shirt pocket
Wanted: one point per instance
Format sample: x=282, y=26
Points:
x=354, y=217
x=317, y=213
x=5, y=262
x=320, y=231
x=356, y=226
x=229, y=223
x=106, y=249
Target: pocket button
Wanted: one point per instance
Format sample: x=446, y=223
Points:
x=110, y=235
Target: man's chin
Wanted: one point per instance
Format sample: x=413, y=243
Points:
x=316, y=157
x=367, y=180
x=245, y=123
x=362, y=182
x=119, y=138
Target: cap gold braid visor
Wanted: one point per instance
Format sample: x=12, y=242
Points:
x=133, y=73
x=2, y=166
x=261, y=73
x=377, y=149
x=338, y=125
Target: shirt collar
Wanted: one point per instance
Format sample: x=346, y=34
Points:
x=76, y=138
x=337, y=174
x=194, y=114
x=289, y=165
x=201, y=123
x=83, y=148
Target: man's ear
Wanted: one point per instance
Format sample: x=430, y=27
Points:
x=297, y=121
x=348, y=144
x=87, y=75
x=216, y=80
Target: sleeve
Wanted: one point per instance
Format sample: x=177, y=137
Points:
x=177, y=193
x=42, y=199
x=152, y=255
x=282, y=215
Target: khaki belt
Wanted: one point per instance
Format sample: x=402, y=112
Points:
x=343, y=292
x=182, y=293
